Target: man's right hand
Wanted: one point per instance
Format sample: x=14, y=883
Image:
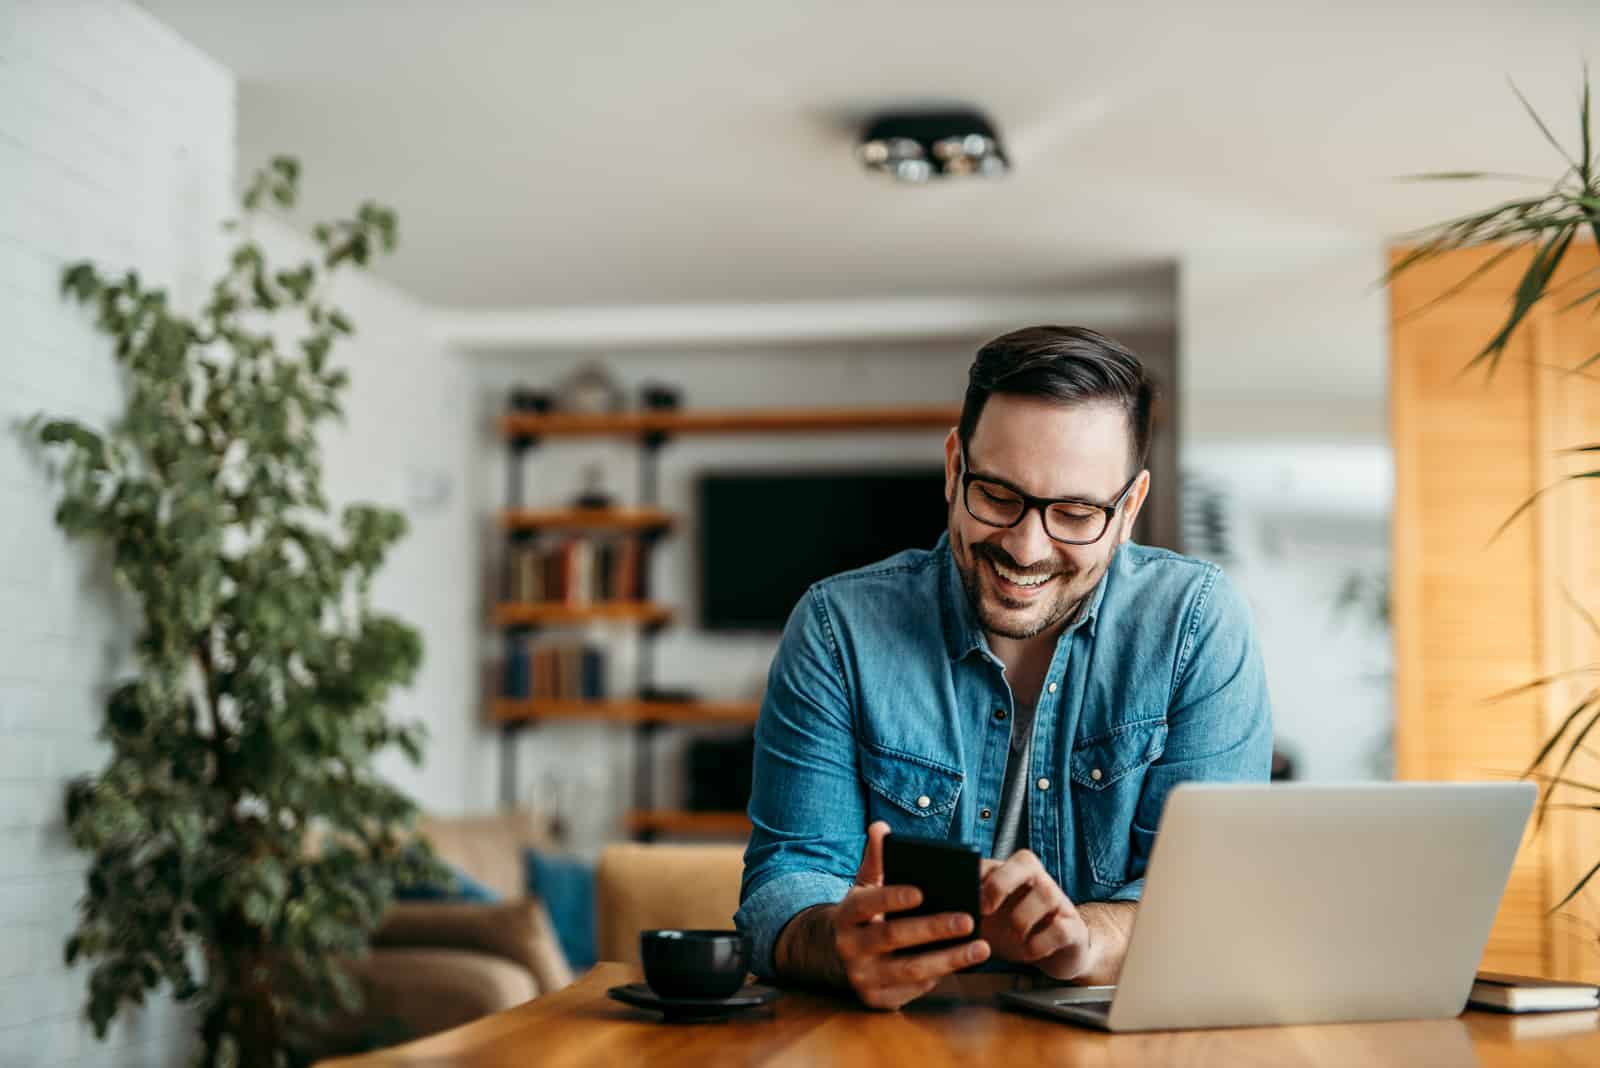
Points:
x=864, y=938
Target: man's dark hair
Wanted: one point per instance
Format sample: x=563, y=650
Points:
x=1069, y=364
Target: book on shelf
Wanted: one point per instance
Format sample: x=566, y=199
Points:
x=1500, y=992
x=555, y=671
x=576, y=571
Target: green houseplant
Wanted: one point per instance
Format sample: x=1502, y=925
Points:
x=1546, y=223
x=250, y=723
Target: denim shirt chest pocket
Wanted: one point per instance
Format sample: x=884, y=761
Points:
x=913, y=794
x=1108, y=771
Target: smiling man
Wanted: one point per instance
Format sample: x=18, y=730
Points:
x=1033, y=685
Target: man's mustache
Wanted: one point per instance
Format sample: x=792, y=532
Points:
x=1000, y=556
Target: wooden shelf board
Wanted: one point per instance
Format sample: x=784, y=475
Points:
x=514, y=710
x=762, y=421
x=554, y=613
x=673, y=821
x=633, y=519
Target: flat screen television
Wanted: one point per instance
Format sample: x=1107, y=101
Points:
x=766, y=536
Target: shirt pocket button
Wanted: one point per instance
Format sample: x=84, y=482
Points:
x=924, y=801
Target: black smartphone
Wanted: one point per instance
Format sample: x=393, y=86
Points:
x=945, y=872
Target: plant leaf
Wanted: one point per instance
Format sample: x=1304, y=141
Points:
x=1583, y=613
x=1585, y=164
x=1572, y=747
x=1476, y=273
x=1550, y=743
x=1548, y=136
x=1468, y=176
x=1555, y=780
x=1530, y=291
x=1540, y=683
x=1595, y=292
x=1576, y=889
x=1525, y=505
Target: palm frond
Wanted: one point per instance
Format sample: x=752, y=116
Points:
x=1576, y=889
x=1573, y=602
x=1469, y=176
x=1586, y=164
x=1550, y=743
x=1572, y=748
x=1548, y=136
x=1556, y=780
x=1530, y=291
x=1542, y=682
x=1476, y=273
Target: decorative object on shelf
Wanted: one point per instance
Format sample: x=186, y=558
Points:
x=527, y=399
x=258, y=707
x=660, y=397
x=594, y=495
x=916, y=146
x=591, y=388
x=1547, y=223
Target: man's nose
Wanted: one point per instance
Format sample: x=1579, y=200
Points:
x=1027, y=542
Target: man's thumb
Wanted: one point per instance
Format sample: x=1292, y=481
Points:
x=871, y=871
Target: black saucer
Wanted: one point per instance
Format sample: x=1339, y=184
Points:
x=640, y=996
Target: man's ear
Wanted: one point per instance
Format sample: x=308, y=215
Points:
x=952, y=464
x=1132, y=506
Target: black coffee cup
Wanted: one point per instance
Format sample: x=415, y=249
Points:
x=694, y=964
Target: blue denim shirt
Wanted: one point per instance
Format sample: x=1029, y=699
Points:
x=882, y=704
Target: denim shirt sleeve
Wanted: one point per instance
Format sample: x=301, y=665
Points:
x=1219, y=718
x=807, y=813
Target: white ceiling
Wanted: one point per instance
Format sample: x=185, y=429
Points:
x=583, y=152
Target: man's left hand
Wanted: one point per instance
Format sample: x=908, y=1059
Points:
x=1028, y=919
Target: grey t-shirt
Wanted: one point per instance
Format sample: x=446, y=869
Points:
x=1011, y=830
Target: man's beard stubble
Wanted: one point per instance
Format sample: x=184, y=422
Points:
x=1063, y=604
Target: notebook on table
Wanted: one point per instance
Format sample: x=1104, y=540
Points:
x=1499, y=992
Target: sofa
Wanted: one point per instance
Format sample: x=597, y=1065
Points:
x=439, y=964
x=434, y=965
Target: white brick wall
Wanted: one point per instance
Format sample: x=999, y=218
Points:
x=116, y=144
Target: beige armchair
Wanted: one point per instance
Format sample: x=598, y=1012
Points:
x=641, y=887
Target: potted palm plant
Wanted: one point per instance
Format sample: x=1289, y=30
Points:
x=1545, y=223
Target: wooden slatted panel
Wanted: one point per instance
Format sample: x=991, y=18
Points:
x=1473, y=613
x=1572, y=406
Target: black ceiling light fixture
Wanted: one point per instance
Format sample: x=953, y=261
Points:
x=917, y=146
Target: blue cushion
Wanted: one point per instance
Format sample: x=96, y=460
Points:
x=461, y=887
x=566, y=886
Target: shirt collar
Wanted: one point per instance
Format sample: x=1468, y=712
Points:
x=962, y=632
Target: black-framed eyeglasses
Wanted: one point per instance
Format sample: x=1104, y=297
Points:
x=1066, y=519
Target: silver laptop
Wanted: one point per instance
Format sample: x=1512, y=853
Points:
x=1300, y=904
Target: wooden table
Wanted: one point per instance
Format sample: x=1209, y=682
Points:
x=961, y=1029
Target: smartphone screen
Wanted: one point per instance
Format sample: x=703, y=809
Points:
x=945, y=872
